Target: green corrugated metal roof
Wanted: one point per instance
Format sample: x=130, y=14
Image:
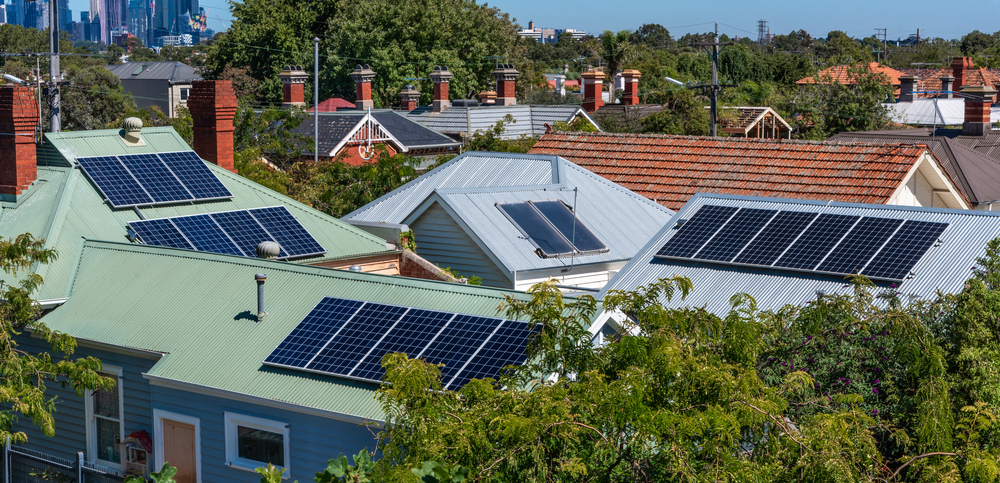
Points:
x=198, y=308
x=65, y=208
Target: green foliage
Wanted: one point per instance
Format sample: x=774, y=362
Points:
x=338, y=469
x=270, y=473
x=408, y=240
x=683, y=113
x=828, y=107
x=471, y=280
x=615, y=50
x=165, y=475
x=493, y=139
x=434, y=472
x=580, y=124
x=93, y=100
x=24, y=376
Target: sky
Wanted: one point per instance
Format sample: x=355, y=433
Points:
x=859, y=18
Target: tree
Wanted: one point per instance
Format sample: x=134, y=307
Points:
x=683, y=113
x=652, y=35
x=841, y=49
x=24, y=376
x=975, y=42
x=829, y=106
x=94, y=99
x=616, y=50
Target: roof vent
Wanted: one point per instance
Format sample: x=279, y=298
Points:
x=268, y=249
x=355, y=268
x=131, y=128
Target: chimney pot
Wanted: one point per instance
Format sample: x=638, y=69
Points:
x=948, y=86
x=363, y=76
x=293, y=83
x=593, y=89
x=958, y=67
x=410, y=98
x=441, y=76
x=978, y=100
x=630, y=91
x=18, y=119
x=506, y=77
x=906, y=84
x=213, y=106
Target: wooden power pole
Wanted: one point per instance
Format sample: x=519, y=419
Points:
x=715, y=87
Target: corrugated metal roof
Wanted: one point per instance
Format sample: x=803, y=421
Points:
x=933, y=112
x=334, y=127
x=66, y=208
x=160, y=70
x=200, y=309
x=945, y=267
x=529, y=120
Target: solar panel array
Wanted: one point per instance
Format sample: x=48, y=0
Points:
x=231, y=232
x=879, y=248
x=348, y=338
x=553, y=228
x=151, y=179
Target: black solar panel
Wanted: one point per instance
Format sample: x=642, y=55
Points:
x=775, y=238
x=198, y=179
x=159, y=232
x=562, y=218
x=243, y=229
x=506, y=347
x=693, y=234
x=359, y=335
x=287, y=231
x=535, y=227
x=816, y=241
x=410, y=336
x=158, y=181
x=463, y=336
x=853, y=253
x=902, y=252
x=735, y=234
x=205, y=234
x=313, y=333
x=117, y=185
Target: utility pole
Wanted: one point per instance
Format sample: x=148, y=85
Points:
x=54, y=124
x=883, y=33
x=316, y=99
x=715, y=87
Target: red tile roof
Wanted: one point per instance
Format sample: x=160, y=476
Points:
x=334, y=103
x=841, y=75
x=930, y=80
x=670, y=169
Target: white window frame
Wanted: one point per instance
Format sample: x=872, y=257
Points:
x=158, y=459
x=184, y=97
x=233, y=420
x=91, y=427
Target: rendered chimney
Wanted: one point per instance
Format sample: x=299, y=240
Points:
x=18, y=119
x=363, y=75
x=958, y=67
x=630, y=94
x=213, y=106
x=441, y=76
x=948, y=86
x=593, y=89
x=906, y=88
x=560, y=84
x=293, y=83
x=410, y=97
x=487, y=98
x=506, y=76
x=977, y=109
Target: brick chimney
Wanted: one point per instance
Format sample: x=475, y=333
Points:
x=630, y=94
x=978, y=100
x=293, y=86
x=593, y=89
x=363, y=75
x=487, y=98
x=505, y=75
x=213, y=106
x=410, y=98
x=441, y=76
x=958, y=67
x=948, y=86
x=18, y=119
x=906, y=89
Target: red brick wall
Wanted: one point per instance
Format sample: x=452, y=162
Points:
x=592, y=95
x=18, y=115
x=294, y=93
x=958, y=68
x=353, y=157
x=977, y=111
x=409, y=105
x=505, y=89
x=213, y=106
x=364, y=91
x=631, y=95
x=440, y=91
x=413, y=266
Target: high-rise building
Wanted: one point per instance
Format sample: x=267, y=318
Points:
x=3, y=13
x=65, y=16
x=169, y=17
x=139, y=17
x=15, y=12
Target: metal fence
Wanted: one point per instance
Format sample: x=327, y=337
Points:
x=23, y=465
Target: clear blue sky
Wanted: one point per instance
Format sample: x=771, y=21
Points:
x=859, y=18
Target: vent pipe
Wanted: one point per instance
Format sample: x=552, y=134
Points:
x=355, y=268
x=260, y=278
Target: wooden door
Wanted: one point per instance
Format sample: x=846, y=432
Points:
x=179, y=450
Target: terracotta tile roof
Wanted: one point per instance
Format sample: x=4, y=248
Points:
x=841, y=75
x=670, y=169
x=334, y=103
x=930, y=80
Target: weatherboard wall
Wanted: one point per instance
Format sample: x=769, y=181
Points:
x=440, y=240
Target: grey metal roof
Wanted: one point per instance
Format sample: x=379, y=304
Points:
x=412, y=134
x=945, y=267
x=335, y=126
x=159, y=70
x=472, y=183
x=529, y=120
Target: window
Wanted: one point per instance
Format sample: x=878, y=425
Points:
x=609, y=332
x=253, y=442
x=105, y=420
x=553, y=228
x=184, y=93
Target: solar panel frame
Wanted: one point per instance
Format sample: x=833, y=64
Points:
x=245, y=231
x=901, y=253
x=698, y=230
x=205, y=234
x=775, y=238
x=158, y=181
x=114, y=181
x=286, y=230
x=816, y=242
x=415, y=331
x=190, y=169
x=160, y=229
x=859, y=245
x=316, y=329
x=730, y=240
x=562, y=218
x=358, y=336
x=533, y=225
x=459, y=342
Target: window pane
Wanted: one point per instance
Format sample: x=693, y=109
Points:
x=184, y=94
x=259, y=445
x=106, y=402
x=108, y=433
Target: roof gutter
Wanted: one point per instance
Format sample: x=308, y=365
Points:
x=51, y=303
x=431, y=146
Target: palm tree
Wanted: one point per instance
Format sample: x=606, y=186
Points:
x=616, y=50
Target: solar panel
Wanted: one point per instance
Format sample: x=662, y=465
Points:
x=359, y=335
x=205, y=234
x=506, y=347
x=563, y=219
x=117, y=185
x=198, y=179
x=287, y=231
x=693, y=234
x=463, y=336
x=902, y=252
x=854, y=251
x=537, y=229
x=735, y=234
x=159, y=232
x=410, y=336
x=775, y=238
x=313, y=333
x=158, y=181
x=816, y=241
x=244, y=230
